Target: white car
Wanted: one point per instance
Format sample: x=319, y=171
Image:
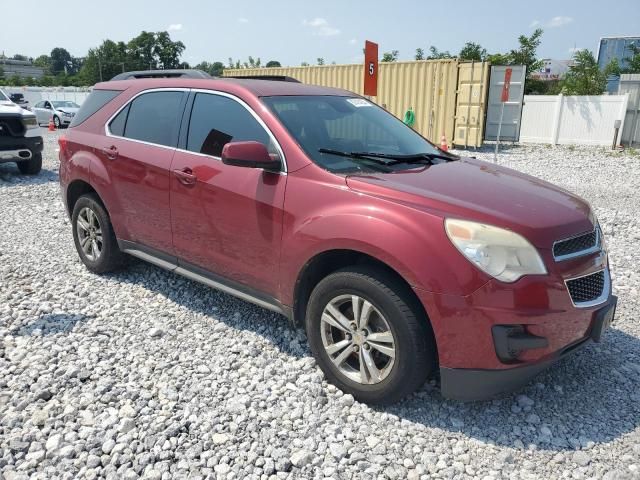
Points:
x=60, y=111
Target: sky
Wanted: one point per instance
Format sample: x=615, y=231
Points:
x=301, y=31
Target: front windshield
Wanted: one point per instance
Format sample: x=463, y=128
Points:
x=64, y=104
x=345, y=124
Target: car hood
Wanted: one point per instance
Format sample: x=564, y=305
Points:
x=8, y=107
x=484, y=192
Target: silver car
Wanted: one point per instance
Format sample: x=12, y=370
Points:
x=60, y=111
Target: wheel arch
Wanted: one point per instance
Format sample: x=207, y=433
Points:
x=75, y=190
x=329, y=261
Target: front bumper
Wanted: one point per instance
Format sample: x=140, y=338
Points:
x=536, y=313
x=477, y=384
x=12, y=145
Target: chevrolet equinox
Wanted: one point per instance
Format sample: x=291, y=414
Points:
x=401, y=261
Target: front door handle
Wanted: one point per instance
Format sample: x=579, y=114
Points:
x=186, y=176
x=111, y=152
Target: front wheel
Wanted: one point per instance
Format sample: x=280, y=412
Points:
x=369, y=335
x=56, y=121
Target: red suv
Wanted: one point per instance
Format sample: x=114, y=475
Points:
x=400, y=260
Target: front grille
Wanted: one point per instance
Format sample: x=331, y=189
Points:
x=588, y=288
x=575, y=246
x=11, y=127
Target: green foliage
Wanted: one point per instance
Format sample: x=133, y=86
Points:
x=1, y=72
x=60, y=61
x=436, y=54
x=472, y=51
x=214, y=69
x=273, y=64
x=23, y=58
x=633, y=62
x=304, y=64
x=320, y=61
x=584, y=76
x=525, y=54
x=390, y=56
x=419, y=54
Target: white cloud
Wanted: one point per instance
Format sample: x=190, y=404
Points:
x=174, y=27
x=559, y=21
x=353, y=41
x=555, y=22
x=243, y=20
x=321, y=27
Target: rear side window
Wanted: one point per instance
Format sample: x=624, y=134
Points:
x=217, y=120
x=94, y=102
x=152, y=117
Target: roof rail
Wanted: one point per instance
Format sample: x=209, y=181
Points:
x=170, y=73
x=275, y=78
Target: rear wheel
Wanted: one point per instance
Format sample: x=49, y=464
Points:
x=368, y=335
x=94, y=237
x=31, y=166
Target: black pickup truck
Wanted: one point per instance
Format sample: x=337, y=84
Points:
x=20, y=137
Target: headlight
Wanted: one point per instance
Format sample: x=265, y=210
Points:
x=30, y=122
x=500, y=253
x=67, y=114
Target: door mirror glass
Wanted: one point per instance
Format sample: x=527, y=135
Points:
x=249, y=154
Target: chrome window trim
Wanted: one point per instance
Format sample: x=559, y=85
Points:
x=596, y=248
x=197, y=90
x=606, y=289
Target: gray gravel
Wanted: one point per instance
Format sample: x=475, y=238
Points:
x=146, y=374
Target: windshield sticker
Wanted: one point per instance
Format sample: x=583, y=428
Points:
x=359, y=102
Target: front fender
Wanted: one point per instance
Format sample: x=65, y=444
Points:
x=410, y=241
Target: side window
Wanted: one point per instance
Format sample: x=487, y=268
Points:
x=154, y=117
x=116, y=127
x=38, y=105
x=217, y=120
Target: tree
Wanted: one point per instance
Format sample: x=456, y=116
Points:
x=525, y=54
x=20, y=57
x=472, y=51
x=1, y=72
x=273, y=64
x=498, y=59
x=584, y=77
x=390, y=56
x=320, y=61
x=304, y=64
x=214, y=69
x=166, y=51
x=438, y=55
x=419, y=54
x=60, y=60
x=44, y=62
x=633, y=62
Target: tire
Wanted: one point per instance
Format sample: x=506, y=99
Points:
x=393, y=311
x=88, y=210
x=31, y=166
x=56, y=121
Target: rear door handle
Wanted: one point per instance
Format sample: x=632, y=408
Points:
x=186, y=176
x=111, y=152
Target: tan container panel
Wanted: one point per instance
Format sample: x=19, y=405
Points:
x=429, y=87
x=473, y=80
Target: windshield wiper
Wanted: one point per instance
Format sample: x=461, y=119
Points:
x=380, y=164
x=409, y=158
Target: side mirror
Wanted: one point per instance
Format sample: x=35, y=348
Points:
x=249, y=155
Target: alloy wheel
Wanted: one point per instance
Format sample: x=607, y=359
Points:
x=89, y=233
x=358, y=340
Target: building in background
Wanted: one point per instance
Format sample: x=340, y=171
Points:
x=552, y=69
x=22, y=68
x=618, y=48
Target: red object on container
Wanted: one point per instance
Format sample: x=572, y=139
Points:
x=370, y=68
x=506, y=86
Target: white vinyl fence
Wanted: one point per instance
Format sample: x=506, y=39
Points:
x=559, y=119
x=35, y=94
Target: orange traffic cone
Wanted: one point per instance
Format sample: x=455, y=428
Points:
x=443, y=143
x=52, y=126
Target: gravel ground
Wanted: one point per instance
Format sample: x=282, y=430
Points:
x=146, y=374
